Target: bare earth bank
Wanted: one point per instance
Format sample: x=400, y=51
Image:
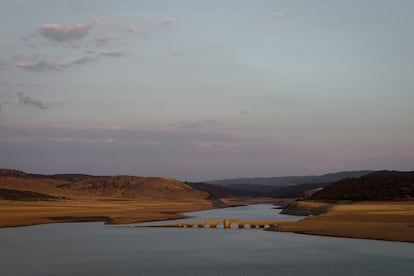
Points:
x=392, y=221
x=22, y=213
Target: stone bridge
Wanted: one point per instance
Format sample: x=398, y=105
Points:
x=226, y=223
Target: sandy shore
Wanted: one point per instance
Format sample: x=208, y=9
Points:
x=392, y=221
x=21, y=213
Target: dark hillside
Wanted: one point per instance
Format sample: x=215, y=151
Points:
x=295, y=191
x=12, y=173
x=381, y=185
x=9, y=194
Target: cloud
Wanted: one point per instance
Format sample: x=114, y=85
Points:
x=172, y=53
x=27, y=100
x=244, y=112
x=4, y=65
x=113, y=54
x=27, y=85
x=166, y=22
x=84, y=60
x=276, y=14
x=62, y=33
x=41, y=66
x=98, y=21
x=218, y=147
x=134, y=29
x=190, y=123
x=0, y=108
x=181, y=138
x=102, y=41
x=44, y=65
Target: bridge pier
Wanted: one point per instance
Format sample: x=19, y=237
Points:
x=227, y=224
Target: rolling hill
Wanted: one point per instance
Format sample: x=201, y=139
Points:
x=75, y=186
x=135, y=187
x=28, y=199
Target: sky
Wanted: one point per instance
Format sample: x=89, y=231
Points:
x=201, y=90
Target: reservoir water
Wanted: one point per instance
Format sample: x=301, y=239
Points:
x=98, y=249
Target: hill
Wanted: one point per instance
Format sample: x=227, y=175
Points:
x=253, y=191
x=8, y=194
x=297, y=191
x=27, y=199
x=220, y=191
x=381, y=185
x=76, y=186
x=275, y=187
x=135, y=187
x=291, y=180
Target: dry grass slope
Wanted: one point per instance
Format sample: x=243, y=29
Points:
x=118, y=199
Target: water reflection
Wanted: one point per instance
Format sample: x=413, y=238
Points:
x=97, y=249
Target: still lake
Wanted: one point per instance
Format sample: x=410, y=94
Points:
x=98, y=249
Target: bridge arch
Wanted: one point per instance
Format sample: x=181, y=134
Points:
x=234, y=225
x=220, y=225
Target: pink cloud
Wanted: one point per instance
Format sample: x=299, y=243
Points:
x=62, y=33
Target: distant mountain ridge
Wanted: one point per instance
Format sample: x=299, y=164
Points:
x=276, y=187
x=292, y=180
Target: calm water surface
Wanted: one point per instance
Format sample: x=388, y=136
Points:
x=97, y=249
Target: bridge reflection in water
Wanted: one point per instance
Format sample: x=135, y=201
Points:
x=227, y=224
